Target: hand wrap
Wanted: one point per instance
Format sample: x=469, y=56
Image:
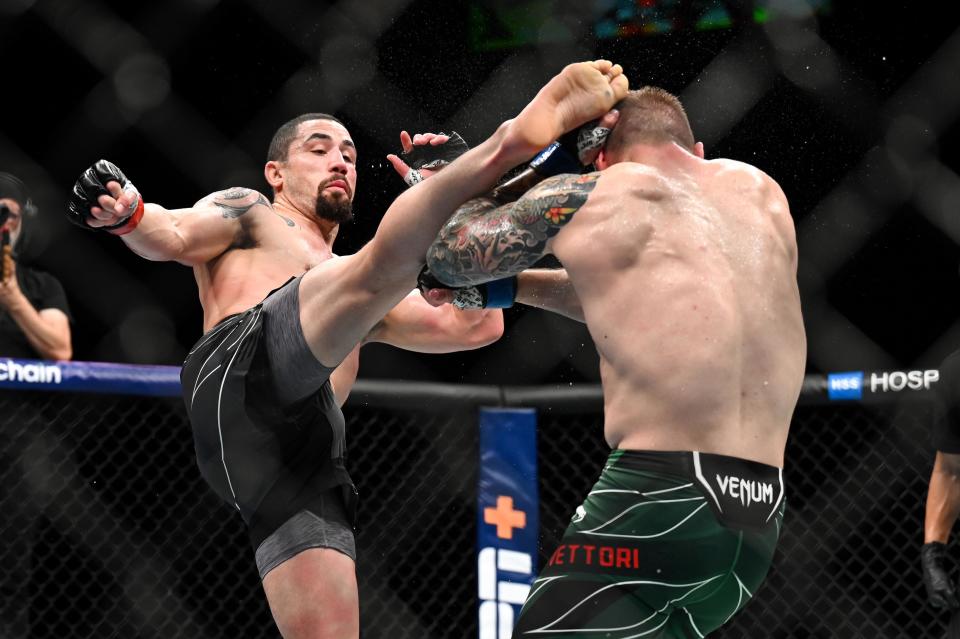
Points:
x=567, y=154
x=433, y=156
x=494, y=294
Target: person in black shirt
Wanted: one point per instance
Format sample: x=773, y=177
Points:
x=34, y=323
x=34, y=316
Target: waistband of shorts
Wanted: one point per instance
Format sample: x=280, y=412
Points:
x=680, y=462
x=743, y=494
x=223, y=321
x=235, y=315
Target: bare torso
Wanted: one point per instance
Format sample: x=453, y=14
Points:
x=266, y=253
x=269, y=249
x=693, y=304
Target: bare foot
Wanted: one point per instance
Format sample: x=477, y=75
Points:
x=581, y=92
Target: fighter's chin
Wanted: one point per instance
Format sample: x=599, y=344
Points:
x=336, y=210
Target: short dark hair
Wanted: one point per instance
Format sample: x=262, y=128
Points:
x=650, y=115
x=280, y=144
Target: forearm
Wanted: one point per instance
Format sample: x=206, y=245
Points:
x=157, y=237
x=470, y=329
x=415, y=325
x=49, y=339
x=550, y=290
x=943, y=501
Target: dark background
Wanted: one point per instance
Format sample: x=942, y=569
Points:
x=851, y=107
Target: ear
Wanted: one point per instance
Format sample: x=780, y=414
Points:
x=602, y=161
x=273, y=174
x=698, y=150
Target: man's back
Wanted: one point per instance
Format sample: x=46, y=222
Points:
x=686, y=270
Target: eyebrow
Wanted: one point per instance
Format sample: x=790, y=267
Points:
x=324, y=136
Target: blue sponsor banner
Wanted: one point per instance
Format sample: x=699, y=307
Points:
x=90, y=377
x=847, y=385
x=507, y=517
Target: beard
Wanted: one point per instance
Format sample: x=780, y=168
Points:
x=337, y=210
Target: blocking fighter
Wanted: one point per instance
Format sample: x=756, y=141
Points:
x=685, y=270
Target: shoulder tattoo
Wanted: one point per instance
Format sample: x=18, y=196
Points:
x=229, y=202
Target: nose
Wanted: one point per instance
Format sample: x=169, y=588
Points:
x=337, y=162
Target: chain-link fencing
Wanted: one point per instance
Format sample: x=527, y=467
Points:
x=108, y=530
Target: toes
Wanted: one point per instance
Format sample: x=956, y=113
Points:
x=602, y=65
x=620, y=86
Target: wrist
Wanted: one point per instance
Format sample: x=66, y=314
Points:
x=130, y=222
x=16, y=302
x=501, y=293
x=933, y=555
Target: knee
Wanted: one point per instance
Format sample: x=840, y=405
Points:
x=325, y=620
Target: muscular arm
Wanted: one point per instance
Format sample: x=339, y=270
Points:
x=198, y=234
x=547, y=289
x=477, y=245
x=415, y=325
x=943, y=498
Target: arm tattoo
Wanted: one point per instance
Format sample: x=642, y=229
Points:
x=480, y=244
x=236, y=210
x=471, y=209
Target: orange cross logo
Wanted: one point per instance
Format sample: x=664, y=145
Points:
x=504, y=517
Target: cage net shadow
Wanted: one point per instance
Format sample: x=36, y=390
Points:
x=109, y=532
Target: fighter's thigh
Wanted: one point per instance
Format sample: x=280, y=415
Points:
x=340, y=302
x=313, y=595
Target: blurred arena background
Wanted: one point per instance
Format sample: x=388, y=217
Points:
x=852, y=107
